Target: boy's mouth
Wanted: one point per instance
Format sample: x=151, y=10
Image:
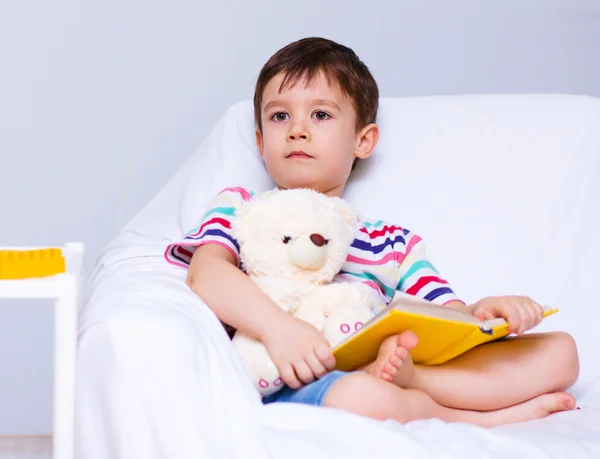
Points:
x=299, y=154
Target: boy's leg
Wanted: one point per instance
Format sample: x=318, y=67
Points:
x=488, y=377
x=367, y=395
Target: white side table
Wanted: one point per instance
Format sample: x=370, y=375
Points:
x=65, y=289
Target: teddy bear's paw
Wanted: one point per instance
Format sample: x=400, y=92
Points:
x=263, y=384
x=268, y=387
x=335, y=331
x=344, y=323
x=347, y=328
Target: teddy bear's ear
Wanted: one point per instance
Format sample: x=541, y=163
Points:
x=349, y=214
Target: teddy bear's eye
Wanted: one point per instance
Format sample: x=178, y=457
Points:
x=286, y=239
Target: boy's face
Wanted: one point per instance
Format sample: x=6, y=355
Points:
x=309, y=137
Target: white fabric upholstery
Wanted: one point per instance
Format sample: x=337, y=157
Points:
x=503, y=189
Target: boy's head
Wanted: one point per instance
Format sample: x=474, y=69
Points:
x=315, y=108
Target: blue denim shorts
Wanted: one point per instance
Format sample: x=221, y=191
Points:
x=311, y=394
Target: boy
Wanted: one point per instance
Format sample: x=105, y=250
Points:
x=315, y=110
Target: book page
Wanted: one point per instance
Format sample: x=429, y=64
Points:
x=410, y=303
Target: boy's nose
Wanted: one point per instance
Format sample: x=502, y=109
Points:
x=297, y=136
x=298, y=132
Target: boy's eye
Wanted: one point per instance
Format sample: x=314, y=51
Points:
x=286, y=239
x=279, y=116
x=321, y=115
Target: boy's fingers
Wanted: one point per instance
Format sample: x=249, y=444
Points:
x=482, y=314
x=525, y=323
x=536, y=312
x=514, y=320
x=289, y=377
x=524, y=318
x=533, y=319
x=325, y=356
x=539, y=312
x=315, y=365
x=303, y=372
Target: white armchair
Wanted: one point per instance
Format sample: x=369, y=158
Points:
x=505, y=190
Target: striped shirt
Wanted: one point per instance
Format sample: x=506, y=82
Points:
x=386, y=257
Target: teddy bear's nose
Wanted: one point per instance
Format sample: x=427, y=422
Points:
x=318, y=240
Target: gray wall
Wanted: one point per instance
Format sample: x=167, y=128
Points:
x=100, y=102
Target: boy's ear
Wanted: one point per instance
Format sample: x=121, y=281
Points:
x=259, y=143
x=367, y=140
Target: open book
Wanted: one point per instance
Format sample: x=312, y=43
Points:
x=443, y=332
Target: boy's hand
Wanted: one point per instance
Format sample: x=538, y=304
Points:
x=521, y=312
x=299, y=351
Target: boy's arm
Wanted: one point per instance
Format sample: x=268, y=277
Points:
x=299, y=350
x=231, y=294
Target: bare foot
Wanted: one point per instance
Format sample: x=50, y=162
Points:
x=536, y=408
x=393, y=362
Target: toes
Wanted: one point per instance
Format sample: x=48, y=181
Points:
x=386, y=377
x=407, y=339
x=390, y=369
x=388, y=346
x=396, y=361
x=385, y=373
x=401, y=353
x=561, y=402
x=568, y=403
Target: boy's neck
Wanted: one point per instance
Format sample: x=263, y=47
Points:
x=336, y=192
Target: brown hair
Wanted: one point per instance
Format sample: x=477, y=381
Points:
x=304, y=59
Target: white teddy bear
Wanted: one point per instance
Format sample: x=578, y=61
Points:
x=292, y=244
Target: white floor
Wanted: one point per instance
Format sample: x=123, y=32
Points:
x=25, y=447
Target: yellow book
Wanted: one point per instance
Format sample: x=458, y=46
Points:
x=443, y=332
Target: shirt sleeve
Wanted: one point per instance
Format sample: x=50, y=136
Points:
x=419, y=277
x=214, y=228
